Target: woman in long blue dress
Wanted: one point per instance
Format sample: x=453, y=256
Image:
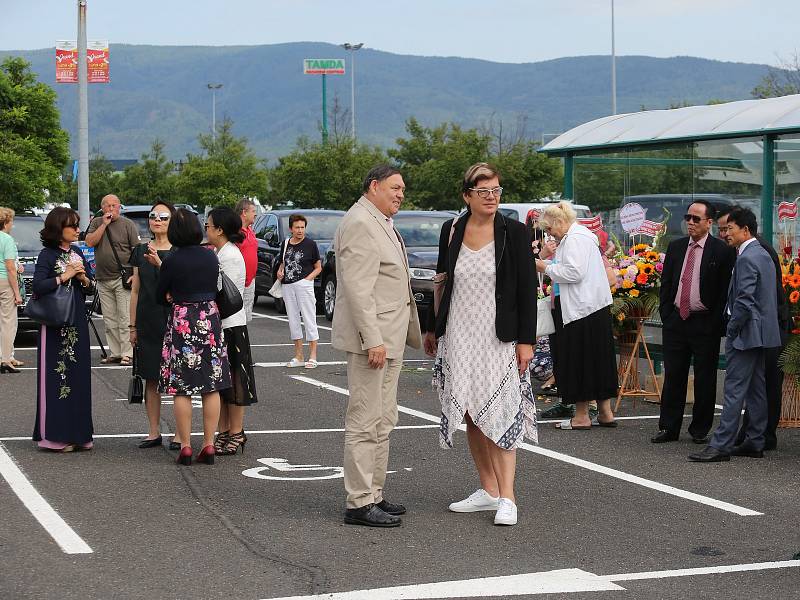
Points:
x=63, y=376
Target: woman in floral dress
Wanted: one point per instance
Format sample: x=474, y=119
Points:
x=194, y=359
x=63, y=376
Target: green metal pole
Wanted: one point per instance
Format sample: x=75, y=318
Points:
x=324, y=110
x=568, y=167
x=768, y=188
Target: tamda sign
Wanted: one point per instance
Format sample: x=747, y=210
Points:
x=323, y=66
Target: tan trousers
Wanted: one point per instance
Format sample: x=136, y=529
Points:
x=8, y=320
x=371, y=416
x=115, y=301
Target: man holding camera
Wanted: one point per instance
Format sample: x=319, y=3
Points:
x=114, y=237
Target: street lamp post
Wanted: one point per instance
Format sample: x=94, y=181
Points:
x=613, y=66
x=214, y=87
x=351, y=48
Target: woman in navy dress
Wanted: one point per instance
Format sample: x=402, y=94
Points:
x=63, y=376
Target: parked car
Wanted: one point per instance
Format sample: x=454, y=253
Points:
x=272, y=230
x=420, y=230
x=520, y=211
x=139, y=214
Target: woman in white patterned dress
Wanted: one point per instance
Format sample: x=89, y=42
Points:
x=483, y=336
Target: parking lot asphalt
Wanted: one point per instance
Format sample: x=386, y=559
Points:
x=602, y=513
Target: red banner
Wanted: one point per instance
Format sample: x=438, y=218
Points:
x=533, y=215
x=593, y=224
x=97, y=64
x=787, y=210
x=650, y=228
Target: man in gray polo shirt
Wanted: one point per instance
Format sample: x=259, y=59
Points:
x=114, y=297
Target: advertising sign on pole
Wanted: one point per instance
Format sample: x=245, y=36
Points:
x=323, y=66
x=97, y=64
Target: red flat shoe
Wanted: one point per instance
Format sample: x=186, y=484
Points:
x=185, y=456
x=207, y=455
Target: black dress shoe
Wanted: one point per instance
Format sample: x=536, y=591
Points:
x=370, y=516
x=709, y=454
x=392, y=509
x=664, y=436
x=701, y=439
x=768, y=446
x=747, y=450
x=150, y=443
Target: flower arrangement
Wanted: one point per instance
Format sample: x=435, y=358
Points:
x=635, y=292
x=790, y=269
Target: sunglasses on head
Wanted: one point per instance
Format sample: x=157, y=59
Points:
x=693, y=218
x=161, y=216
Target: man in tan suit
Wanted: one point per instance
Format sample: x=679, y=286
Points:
x=375, y=318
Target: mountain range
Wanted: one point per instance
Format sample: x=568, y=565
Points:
x=161, y=92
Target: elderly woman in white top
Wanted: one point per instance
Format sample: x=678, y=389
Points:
x=584, y=357
x=223, y=228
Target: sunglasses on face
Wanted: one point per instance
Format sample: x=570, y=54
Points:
x=693, y=218
x=161, y=216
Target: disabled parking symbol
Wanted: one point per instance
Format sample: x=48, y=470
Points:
x=280, y=469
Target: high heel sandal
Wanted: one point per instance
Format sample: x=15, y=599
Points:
x=233, y=443
x=206, y=455
x=8, y=368
x=185, y=456
x=221, y=440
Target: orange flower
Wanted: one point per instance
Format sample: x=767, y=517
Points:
x=641, y=279
x=794, y=297
x=647, y=269
x=794, y=281
x=634, y=293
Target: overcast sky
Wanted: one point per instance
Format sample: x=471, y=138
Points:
x=756, y=31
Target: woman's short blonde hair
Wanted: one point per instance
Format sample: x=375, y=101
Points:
x=561, y=212
x=6, y=215
x=477, y=172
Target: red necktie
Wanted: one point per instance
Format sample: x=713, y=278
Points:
x=686, y=282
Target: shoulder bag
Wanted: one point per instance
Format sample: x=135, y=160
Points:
x=275, y=291
x=440, y=279
x=55, y=309
x=229, y=300
x=124, y=272
x=135, y=385
x=544, y=315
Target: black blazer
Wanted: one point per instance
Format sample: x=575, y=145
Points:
x=783, y=305
x=515, y=294
x=715, y=276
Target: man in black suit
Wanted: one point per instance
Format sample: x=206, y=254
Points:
x=773, y=373
x=694, y=289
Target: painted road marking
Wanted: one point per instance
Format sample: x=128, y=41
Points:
x=578, y=462
x=69, y=541
x=282, y=465
x=272, y=365
x=33, y=349
x=561, y=581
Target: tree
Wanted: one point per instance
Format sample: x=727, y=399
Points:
x=527, y=174
x=151, y=179
x=33, y=147
x=323, y=176
x=103, y=180
x=227, y=171
x=783, y=81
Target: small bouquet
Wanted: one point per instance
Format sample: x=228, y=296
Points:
x=638, y=272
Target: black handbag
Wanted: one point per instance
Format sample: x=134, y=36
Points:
x=55, y=309
x=229, y=300
x=135, y=385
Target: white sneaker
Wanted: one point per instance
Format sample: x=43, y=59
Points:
x=479, y=500
x=506, y=512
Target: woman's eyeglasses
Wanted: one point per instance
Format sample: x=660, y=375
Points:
x=484, y=192
x=154, y=216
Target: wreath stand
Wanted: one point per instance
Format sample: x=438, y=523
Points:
x=790, y=405
x=628, y=371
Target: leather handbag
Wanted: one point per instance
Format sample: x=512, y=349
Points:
x=440, y=279
x=544, y=314
x=229, y=300
x=135, y=385
x=55, y=309
x=276, y=290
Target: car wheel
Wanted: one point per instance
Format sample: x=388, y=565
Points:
x=329, y=297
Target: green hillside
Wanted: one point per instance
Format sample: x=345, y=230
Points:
x=160, y=91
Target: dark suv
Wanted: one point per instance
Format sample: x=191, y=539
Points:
x=420, y=230
x=272, y=229
x=26, y=234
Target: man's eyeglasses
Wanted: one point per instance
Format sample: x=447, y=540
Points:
x=693, y=218
x=484, y=192
x=154, y=216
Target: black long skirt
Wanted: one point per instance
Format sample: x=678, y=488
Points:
x=243, y=390
x=585, y=362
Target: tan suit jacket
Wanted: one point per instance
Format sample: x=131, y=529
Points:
x=374, y=302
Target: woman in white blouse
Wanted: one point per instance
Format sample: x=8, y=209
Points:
x=584, y=357
x=223, y=228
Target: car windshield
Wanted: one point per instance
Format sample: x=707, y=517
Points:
x=26, y=234
x=318, y=227
x=422, y=230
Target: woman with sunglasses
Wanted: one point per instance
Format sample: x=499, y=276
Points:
x=148, y=318
x=63, y=373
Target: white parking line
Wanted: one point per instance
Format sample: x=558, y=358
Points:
x=561, y=581
x=286, y=320
x=69, y=541
x=33, y=349
x=585, y=464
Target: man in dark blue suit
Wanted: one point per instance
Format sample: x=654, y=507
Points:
x=752, y=312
